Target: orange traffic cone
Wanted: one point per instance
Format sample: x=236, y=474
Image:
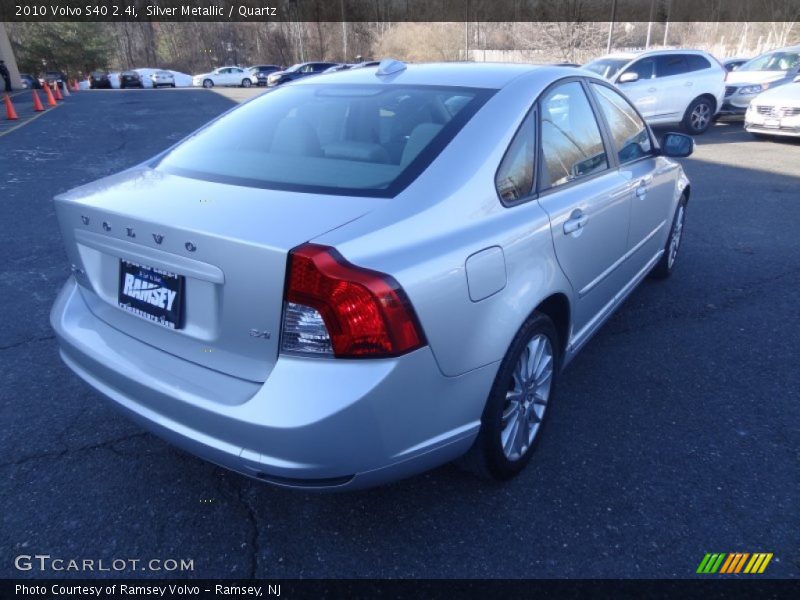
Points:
x=75, y=86
x=50, y=100
x=37, y=104
x=11, y=114
x=58, y=93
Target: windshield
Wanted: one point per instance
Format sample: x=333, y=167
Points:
x=607, y=67
x=774, y=61
x=368, y=140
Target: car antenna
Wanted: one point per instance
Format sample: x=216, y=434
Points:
x=390, y=66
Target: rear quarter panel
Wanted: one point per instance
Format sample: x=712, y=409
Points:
x=425, y=235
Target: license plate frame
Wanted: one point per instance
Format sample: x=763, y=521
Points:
x=772, y=123
x=153, y=294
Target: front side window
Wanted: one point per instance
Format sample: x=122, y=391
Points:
x=644, y=68
x=572, y=146
x=514, y=178
x=606, y=67
x=368, y=140
x=630, y=134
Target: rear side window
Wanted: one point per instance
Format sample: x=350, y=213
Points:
x=630, y=134
x=514, y=179
x=697, y=62
x=367, y=140
x=671, y=64
x=572, y=147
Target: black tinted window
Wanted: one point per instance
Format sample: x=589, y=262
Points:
x=671, y=64
x=697, y=62
x=630, y=134
x=572, y=146
x=645, y=68
x=514, y=179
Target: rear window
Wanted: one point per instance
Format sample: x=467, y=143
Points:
x=367, y=140
x=671, y=64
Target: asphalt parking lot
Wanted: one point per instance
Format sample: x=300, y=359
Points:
x=676, y=431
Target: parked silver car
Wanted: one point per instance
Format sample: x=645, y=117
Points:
x=392, y=276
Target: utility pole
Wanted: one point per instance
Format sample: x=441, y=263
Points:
x=344, y=34
x=650, y=24
x=611, y=25
x=466, y=30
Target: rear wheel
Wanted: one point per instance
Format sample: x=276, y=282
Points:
x=246, y=83
x=515, y=410
x=663, y=268
x=699, y=115
x=207, y=83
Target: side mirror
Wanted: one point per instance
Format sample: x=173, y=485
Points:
x=677, y=145
x=628, y=77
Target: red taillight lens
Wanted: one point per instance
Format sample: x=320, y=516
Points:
x=366, y=313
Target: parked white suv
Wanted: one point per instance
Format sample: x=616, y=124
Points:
x=668, y=86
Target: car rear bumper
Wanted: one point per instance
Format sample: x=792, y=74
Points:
x=315, y=423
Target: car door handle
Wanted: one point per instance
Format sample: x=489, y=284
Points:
x=689, y=84
x=577, y=221
x=644, y=182
x=652, y=90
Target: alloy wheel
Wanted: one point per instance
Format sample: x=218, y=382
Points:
x=527, y=396
x=700, y=117
x=675, y=237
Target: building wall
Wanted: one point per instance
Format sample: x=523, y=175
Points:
x=7, y=54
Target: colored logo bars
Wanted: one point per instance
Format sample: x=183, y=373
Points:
x=734, y=562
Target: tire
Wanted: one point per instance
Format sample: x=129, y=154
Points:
x=699, y=116
x=208, y=84
x=666, y=264
x=172, y=85
x=246, y=83
x=501, y=451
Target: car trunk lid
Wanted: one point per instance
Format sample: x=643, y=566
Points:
x=226, y=244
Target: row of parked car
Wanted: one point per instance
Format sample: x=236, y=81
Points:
x=692, y=88
x=270, y=75
x=131, y=79
x=675, y=86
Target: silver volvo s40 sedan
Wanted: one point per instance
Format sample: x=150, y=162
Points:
x=391, y=275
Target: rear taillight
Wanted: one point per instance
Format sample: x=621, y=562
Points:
x=335, y=308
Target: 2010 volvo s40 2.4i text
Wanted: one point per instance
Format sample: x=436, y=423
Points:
x=390, y=276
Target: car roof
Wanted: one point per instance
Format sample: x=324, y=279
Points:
x=786, y=49
x=477, y=75
x=660, y=52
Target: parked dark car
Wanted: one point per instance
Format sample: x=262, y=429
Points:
x=261, y=72
x=57, y=77
x=348, y=66
x=298, y=71
x=29, y=82
x=731, y=64
x=129, y=79
x=99, y=80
